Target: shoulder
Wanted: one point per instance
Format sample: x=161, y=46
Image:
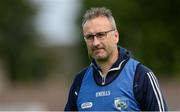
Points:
x=142, y=70
x=79, y=76
x=78, y=79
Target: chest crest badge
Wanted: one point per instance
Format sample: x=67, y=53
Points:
x=120, y=103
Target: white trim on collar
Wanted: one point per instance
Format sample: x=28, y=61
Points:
x=117, y=68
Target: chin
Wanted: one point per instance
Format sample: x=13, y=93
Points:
x=100, y=58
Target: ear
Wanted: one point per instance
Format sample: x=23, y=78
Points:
x=116, y=35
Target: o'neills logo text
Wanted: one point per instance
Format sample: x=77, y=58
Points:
x=86, y=105
x=103, y=93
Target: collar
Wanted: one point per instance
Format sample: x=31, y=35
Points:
x=123, y=55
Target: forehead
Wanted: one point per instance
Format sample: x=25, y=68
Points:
x=97, y=24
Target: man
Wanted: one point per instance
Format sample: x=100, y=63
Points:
x=114, y=80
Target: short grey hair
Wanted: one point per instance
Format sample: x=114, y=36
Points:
x=99, y=12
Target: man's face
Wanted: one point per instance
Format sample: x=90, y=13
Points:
x=102, y=46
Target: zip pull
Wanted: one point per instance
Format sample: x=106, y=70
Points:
x=103, y=80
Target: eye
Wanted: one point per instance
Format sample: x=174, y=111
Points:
x=100, y=35
x=89, y=37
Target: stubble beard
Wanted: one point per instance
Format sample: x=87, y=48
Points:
x=99, y=57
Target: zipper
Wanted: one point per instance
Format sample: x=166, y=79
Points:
x=103, y=78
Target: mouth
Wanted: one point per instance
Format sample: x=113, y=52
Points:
x=96, y=51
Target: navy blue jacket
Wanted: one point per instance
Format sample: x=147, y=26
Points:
x=145, y=86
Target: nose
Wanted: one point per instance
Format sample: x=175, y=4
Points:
x=95, y=41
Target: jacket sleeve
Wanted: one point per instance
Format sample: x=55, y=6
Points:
x=73, y=92
x=147, y=90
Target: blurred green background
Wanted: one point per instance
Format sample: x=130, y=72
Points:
x=150, y=29
x=35, y=75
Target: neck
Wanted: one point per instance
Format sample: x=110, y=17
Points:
x=107, y=64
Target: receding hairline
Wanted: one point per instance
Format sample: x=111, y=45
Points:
x=96, y=18
x=96, y=12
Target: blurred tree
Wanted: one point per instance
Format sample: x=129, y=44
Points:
x=24, y=59
x=149, y=29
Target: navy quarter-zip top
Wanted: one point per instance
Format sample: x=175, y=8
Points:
x=128, y=85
